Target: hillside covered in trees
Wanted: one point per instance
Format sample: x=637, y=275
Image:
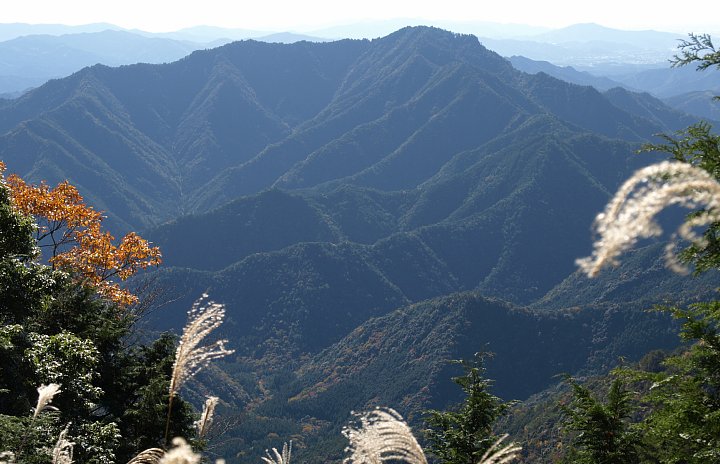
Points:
x=366, y=211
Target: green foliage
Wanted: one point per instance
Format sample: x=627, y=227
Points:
x=601, y=434
x=53, y=330
x=30, y=439
x=16, y=230
x=699, y=48
x=699, y=146
x=462, y=436
x=142, y=386
x=67, y=360
x=683, y=425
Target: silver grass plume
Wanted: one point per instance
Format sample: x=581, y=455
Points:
x=279, y=458
x=190, y=357
x=630, y=215
x=149, y=456
x=498, y=454
x=46, y=393
x=382, y=436
x=182, y=453
x=203, y=424
x=63, y=451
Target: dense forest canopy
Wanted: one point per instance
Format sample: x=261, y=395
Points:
x=369, y=219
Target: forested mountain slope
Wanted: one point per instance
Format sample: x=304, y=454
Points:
x=148, y=143
x=315, y=188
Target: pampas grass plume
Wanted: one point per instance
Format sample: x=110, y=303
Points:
x=279, y=458
x=45, y=396
x=498, y=454
x=190, y=357
x=149, y=456
x=63, y=451
x=630, y=215
x=382, y=436
x=182, y=453
x=203, y=424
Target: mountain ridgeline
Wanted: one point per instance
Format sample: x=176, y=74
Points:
x=366, y=210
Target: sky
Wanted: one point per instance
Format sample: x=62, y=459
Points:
x=299, y=15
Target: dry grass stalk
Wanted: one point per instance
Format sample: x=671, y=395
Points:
x=149, y=456
x=279, y=458
x=630, y=215
x=498, y=454
x=382, y=436
x=46, y=393
x=63, y=451
x=203, y=424
x=182, y=453
x=191, y=357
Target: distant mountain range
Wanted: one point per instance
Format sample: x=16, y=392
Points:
x=367, y=210
x=32, y=54
x=565, y=73
x=701, y=103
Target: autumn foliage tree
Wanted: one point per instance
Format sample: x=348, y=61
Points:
x=55, y=329
x=72, y=231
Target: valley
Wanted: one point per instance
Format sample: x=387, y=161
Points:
x=367, y=210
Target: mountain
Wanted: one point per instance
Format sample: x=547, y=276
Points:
x=208, y=34
x=56, y=56
x=370, y=29
x=32, y=60
x=593, y=44
x=10, y=31
x=642, y=280
x=591, y=32
x=396, y=126
x=289, y=37
x=565, y=73
x=365, y=209
x=647, y=106
x=402, y=359
x=668, y=82
x=699, y=103
x=177, y=123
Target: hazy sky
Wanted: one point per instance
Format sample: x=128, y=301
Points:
x=166, y=15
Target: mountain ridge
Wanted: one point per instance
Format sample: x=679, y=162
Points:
x=319, y=190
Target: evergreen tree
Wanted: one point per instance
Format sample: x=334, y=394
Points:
x=683, y=424
x=601, y=434
x=463, y=435
x=54, y=329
